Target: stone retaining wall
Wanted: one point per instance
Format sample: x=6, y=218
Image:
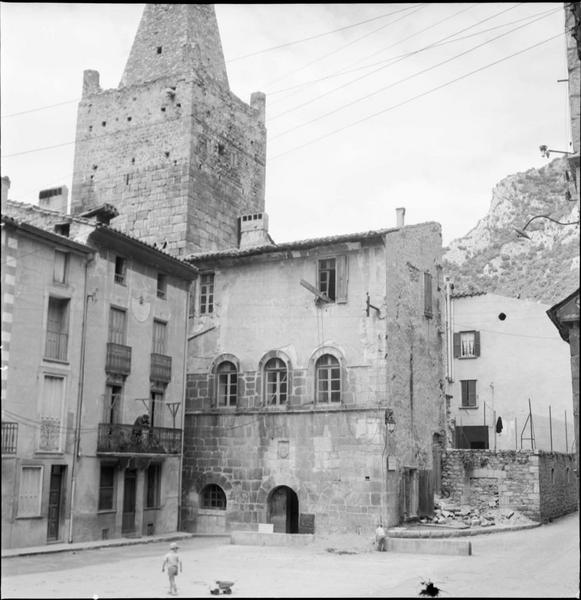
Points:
x=540, y=485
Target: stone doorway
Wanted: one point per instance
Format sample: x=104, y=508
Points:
x=283, y=510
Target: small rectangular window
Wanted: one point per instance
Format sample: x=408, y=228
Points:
x=428, y=312
x=207, y=293
x=159, y=337
x=467, y=344
x=327, y=278
x=161, y=286
x=468, y=387
x=117, y=326
x=120, y=270
x=51, y=413
x=152, y=495
x=107, y=488
x=60, y=266
x=30, y=492
x=112, y=404
x=57, y=329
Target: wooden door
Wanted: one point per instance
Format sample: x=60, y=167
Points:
x=54, y=502
x=129, y=497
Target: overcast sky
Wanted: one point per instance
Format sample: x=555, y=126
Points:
x=354, y=128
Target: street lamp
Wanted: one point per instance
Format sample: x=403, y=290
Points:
x=522, y=233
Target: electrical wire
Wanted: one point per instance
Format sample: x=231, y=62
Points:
x=407, y=101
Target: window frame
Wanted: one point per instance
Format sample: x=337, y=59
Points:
x=207, y=281
x=114, y=334
x=120, y=270
x=279, y=395
x=161, y=291
x=428, y=295
x=213, y=497
x=227, y=380
x=159, y=339
x=458, y=344
x=327, y=277
x=46, y=430
x=21, y=514
x=466, y=394
x=112, y=488
x=332, y=364
x=112, y=404
x=65, y=267
x=61, y=331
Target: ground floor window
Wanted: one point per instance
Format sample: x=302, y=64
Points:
x=107, y=488
x=213, y=496
x=152, y=486
x=30, y=492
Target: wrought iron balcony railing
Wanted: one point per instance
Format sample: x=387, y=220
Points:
x=118, y=359
x=9, y=437
x=160, y=368
x=115, y=438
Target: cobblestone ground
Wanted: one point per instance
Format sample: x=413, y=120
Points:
x=535, y=563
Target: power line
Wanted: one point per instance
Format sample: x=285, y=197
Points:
x=426, y=70
x=393, y=107
x=316, y=36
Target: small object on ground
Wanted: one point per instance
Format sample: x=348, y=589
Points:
x=221, y=587
x=430, y=590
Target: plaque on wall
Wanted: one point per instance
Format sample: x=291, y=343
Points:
x=306, y=523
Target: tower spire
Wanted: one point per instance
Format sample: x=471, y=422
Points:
x=176, y=39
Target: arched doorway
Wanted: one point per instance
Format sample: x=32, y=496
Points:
x=283, y=510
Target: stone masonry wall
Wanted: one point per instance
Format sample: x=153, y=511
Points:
x=519, y=480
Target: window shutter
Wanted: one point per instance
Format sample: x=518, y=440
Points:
x=456, y=345
x=477, y=343
x=342, y=278
x=428, y=294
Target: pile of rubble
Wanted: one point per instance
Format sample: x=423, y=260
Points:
x=457, y=516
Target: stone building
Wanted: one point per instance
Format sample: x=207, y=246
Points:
x=172, y=148
x=303, y=357
x=96, y=341
x=504, y=353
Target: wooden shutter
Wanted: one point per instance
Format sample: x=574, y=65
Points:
x=456, y=345
x=472, y=392
x=428, y=294
x=342, y=278
x=477, y=343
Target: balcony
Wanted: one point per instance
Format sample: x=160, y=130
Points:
x=118, y=359
x=9, y=437
x=160, y=368
x=130, y=439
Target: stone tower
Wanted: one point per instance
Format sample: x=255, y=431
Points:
x=172, y=148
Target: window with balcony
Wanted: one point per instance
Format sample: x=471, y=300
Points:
x=118, y=353
x=30, y=491
x=120, y=270
x=61, y=260
x=51, y=414
x=207, y=293
x=112, y=404
x=328, y=379
x=117, y=326
x=467, y=344
x=227, y=384
x=57, y=329
x=159, y=337
x=275, y=381
x=107, y=488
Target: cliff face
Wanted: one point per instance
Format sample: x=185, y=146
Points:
x=492, y=258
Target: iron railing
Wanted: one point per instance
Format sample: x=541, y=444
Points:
x=9, y=437
x=118, y=359
x=135, y=439
x=160, y=368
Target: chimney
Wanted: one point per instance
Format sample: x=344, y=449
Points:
x=254, y=231
x=400, y=213
x=5, y=188
x=54, y=199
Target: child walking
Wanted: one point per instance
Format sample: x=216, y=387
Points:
x=172, y=560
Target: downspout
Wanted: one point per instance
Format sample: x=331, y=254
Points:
x=184, y=392
x=77, y=441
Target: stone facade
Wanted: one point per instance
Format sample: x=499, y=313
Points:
x=345, y=469
x=172, y=148
x=541, y=485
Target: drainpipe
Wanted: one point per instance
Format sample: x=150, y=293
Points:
x=449, y=332
x=184, y=391
x=77, y=440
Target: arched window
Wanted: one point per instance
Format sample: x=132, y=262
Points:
x=328, y=378
x=275, y=381
x=213, y=496
x=227, y=384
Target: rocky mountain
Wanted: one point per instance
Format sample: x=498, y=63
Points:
x=492, y=258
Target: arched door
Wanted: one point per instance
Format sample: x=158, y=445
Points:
x=283, y=510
